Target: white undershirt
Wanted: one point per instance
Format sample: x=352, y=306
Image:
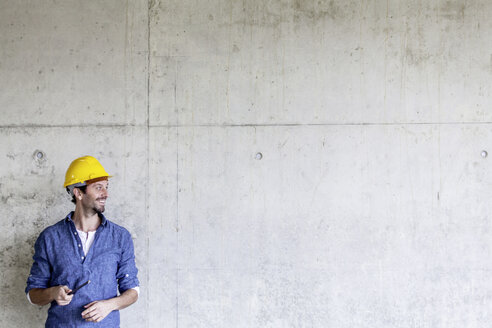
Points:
x=87, y=239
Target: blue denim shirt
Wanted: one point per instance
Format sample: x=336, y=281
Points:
x=59, y=260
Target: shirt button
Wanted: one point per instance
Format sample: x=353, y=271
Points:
x=126, y=275
x=79, y=245
x=82, y=257
x=75, y=233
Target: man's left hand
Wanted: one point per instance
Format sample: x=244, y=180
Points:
x=97, y=310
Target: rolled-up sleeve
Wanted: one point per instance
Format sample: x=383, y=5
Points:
x=40, y=274
x=127, y=270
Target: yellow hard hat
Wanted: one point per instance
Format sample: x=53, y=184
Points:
x=84, y=169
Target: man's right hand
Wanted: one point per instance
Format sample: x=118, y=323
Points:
x=60, y=295
x=43, y=296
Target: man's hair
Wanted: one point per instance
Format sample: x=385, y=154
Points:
x=81, y=188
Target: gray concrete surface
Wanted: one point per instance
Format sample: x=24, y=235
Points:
x=279, y=163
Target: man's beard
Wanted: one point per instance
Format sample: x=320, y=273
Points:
x=99, y=210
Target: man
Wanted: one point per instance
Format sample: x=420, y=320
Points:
x=84, y=249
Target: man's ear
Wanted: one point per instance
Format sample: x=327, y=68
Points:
x=77, y=193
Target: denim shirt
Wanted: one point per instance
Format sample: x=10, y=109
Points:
x=59, y=260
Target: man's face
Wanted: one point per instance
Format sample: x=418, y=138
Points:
x=95, y=196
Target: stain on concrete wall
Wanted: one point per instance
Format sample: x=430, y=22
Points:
x=368, y=206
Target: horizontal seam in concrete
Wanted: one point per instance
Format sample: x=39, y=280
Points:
x=146, y=125
x=312, y=124
x=172, y=56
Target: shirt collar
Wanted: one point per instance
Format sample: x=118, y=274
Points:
x=104, y=221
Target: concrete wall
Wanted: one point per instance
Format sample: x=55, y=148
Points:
x=279, y=163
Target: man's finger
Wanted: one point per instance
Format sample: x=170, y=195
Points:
x=66, y=289
x=91, y=303
x=91, y=315
x=88, y=308
x=88, y=311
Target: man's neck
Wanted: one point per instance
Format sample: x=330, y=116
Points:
x=85, y=220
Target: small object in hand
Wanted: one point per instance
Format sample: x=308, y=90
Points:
x=77, y=288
